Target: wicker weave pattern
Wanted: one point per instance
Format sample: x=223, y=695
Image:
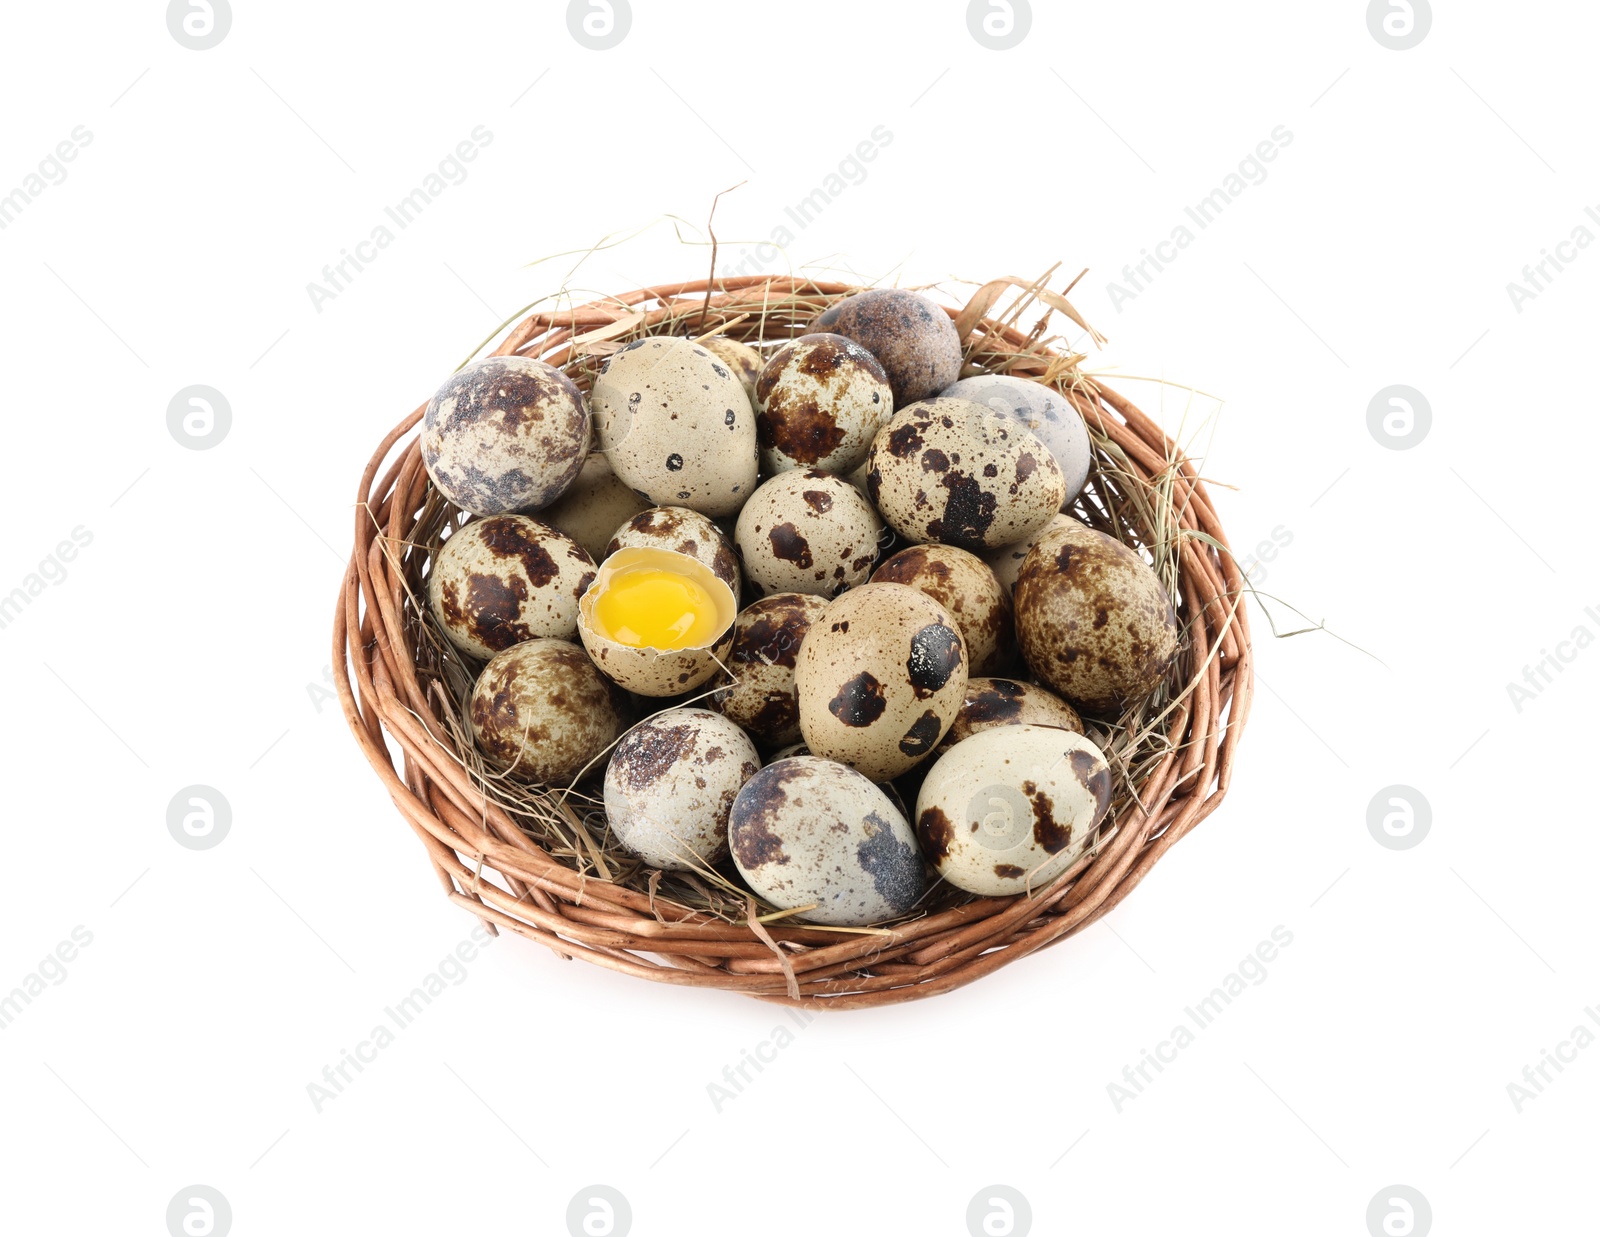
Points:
x=492, y=868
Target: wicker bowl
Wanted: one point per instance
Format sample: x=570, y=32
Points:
x=538, y=863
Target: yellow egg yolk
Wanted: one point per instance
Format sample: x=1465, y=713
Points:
x=651, y=607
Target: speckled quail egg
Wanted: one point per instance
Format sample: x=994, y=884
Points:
x=880, y=678
x=807, y=832
x=742, y=359
x=1043, y=410
x=965, y=586
x=952, y=471
x=670, y=783
x=687, y=532
x=1093, y=620
x=505, y=434
x=677, y=425
x=1007, y=560
x=760, y=695
x=542, y=712
x=1006, y=702
x=807, y=531
x=593, y=507
x=655, y=621
x=913, y=338
x=504, y=579
x=820, y=400
x=1008, y=810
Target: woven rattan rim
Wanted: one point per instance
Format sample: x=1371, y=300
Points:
x=492, y=868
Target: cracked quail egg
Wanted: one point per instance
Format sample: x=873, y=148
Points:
x=1010, y=809
x=504, y=579
x=670, y=784
x=952, y=471
x=542, y=712
x=807, y=531
x=677, y=425
x=820, y=400
x=880, y=678
x=656, y=621
x=505, y=434
x=808, y=832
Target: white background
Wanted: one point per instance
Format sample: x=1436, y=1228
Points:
x=187, y=642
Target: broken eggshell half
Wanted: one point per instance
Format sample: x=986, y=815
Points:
x=645, y=669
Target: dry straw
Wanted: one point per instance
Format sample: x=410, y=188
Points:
x=540, y=862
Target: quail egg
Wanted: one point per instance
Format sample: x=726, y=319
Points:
x=952, y=471
x=1010, y=809
x=879, y=679
x=1093, y=620
x=913, y=338
x=1043, y=410
x=760, y=695
x=541, y=712
x=820, y=400
x=670, y=784
x=505, y=434
x=807, y=531
x=677, y=425
x=965, y=586
x=807, y=832
x=504, y=579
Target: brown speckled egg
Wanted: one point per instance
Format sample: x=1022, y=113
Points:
x=1043, y=410
x=670, y=783
x=646, y=670
x=965, y=586
x=1007, y=560
x=685, y=531
x=807, y=832
x=953, y=471
x=541, y=711
x=913, y=338
x=594, y=507
x=1006, y=702
x=1093, y=620
x=1010, y=809
x=742, y=359
x=766, y=640
x=880, y=678
x=807, y=531
x=677, y=425
x=505, y=434
x=505, y=579
x=820, y=400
